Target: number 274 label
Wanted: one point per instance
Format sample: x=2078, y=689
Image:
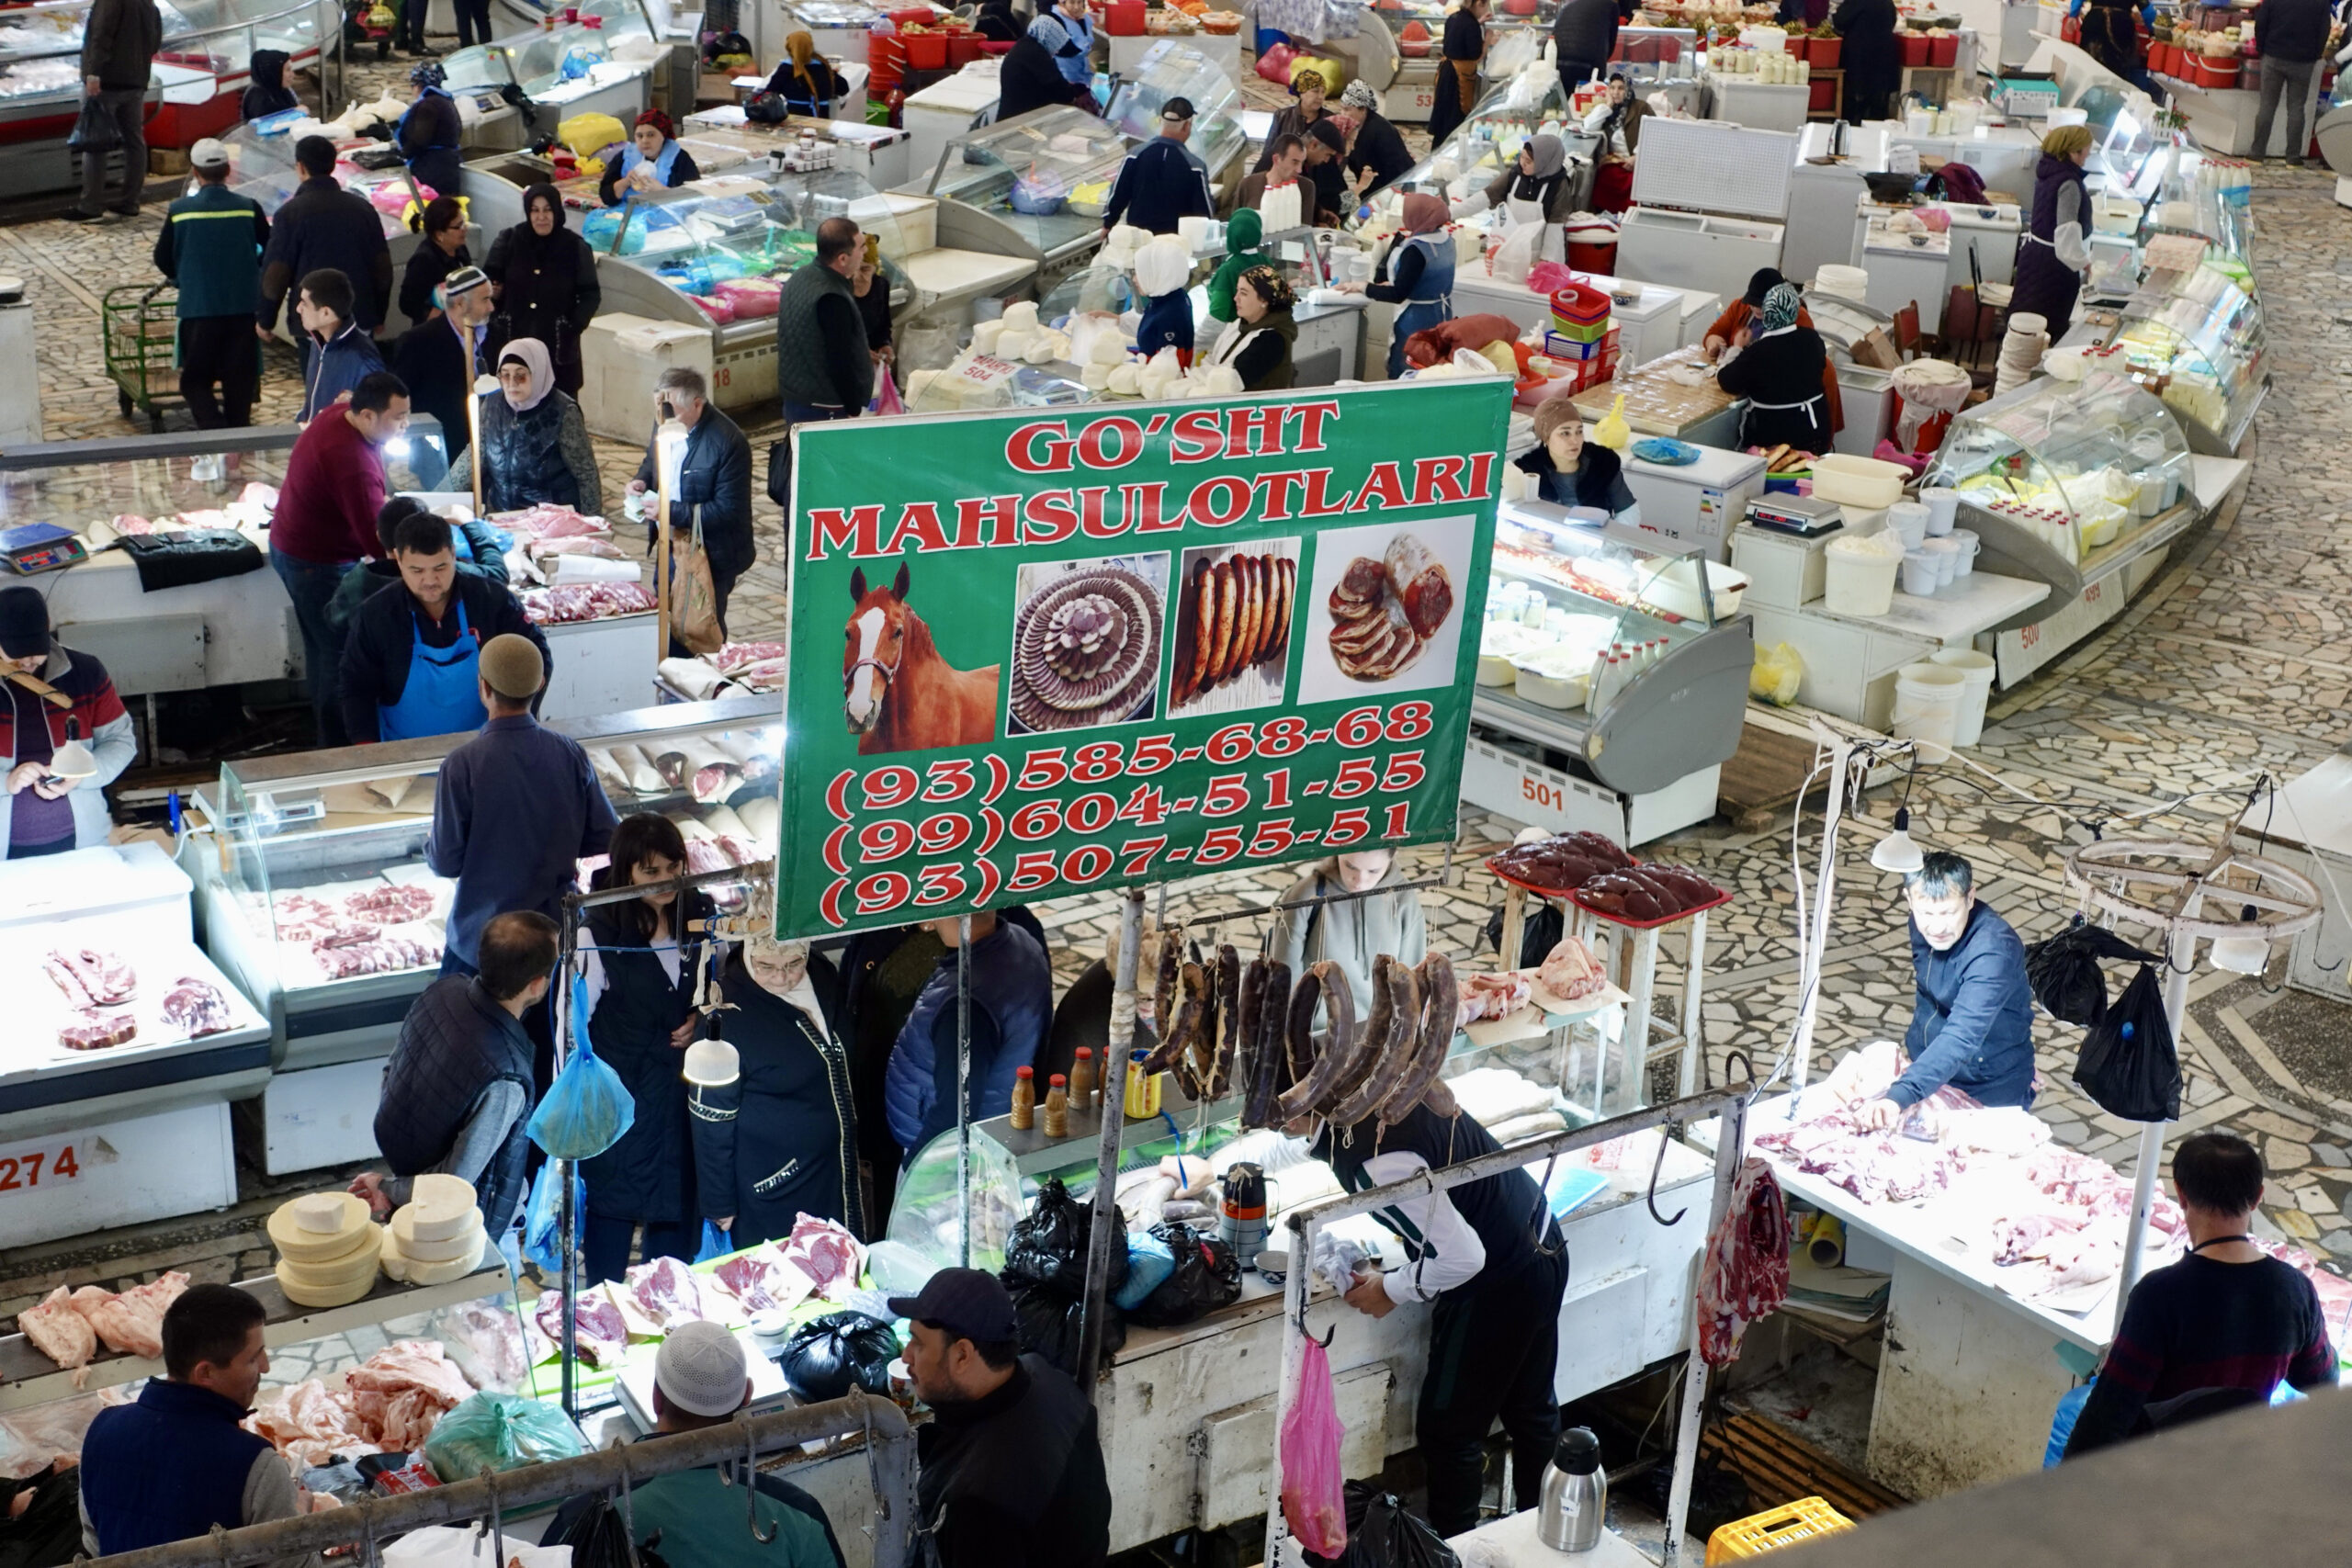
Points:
x=29, y=1170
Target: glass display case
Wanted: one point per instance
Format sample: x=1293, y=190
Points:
x=2058, y=478
x=206, y=43
x=261, y=166
x=2195, y=338
x=1490, y=138
x=1171, y=70
x=1015, y=188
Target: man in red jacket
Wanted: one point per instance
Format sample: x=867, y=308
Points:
x=326, y=521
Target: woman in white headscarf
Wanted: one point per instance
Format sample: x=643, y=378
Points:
x=535, y=442
x=781, y=1141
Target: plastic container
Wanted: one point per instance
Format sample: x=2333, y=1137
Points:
x=1825, y=54
x=1823, y=90
x=1675, y=590
x=1978, y=670
x=1946, y=556
x=1916, y=48
x=1909, y=519
x=1944, y=51
x=964, y=48
x=925, y=52
x=2212, y=72
x=1919, y=576
x=1124, y=18
x=1807, y=1519
x=1968, y=544
x=1858, y=481
x=1943, y=507
x=1858, y=579
x=1927, y=698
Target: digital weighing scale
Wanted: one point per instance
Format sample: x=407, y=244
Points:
x=1799, y=515
x=40, y=547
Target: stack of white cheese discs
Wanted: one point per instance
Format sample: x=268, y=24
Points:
x=438, y=1235
x=327, y=1249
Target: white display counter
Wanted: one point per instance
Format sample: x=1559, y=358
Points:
x=2222, y=118
x=1665, y=318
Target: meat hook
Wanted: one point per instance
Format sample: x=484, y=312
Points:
x=497, y=1526
x=751, y=1487
x=1658, y=1166
x=873, y=1469
x=1329, y=1335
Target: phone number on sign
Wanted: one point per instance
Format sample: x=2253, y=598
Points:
x=861, y=850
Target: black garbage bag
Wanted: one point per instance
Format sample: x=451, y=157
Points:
x=1207, y=1276
x=1383, y=1533
x=826, y=1355
x=1052, y=1324
x=2063, y=971
x=598, y=1536
x=1540, y=932
x=1047, y=1247
x=49, y=1532
x=2129, y=1065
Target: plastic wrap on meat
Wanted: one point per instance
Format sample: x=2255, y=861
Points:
x=668, y=1292
x=95, y=1031
x=196, y=1007
x=487, y=1346
x=1744, y=1273
x=716, y=782
x=828, y=1253
x=91, y=978
x=602, y=1336
x=410, y=1363
x=550, y=520
x=705, y=854
x=390, y=904
x=1571, y=972
x=760, y=1282
x=388, y=1403
x=59, y=1332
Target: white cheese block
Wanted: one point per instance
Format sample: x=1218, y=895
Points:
x=440, y=1207
x=319, y=1227
x=423, y=1249
x=336, y=1283
x=417, y=1272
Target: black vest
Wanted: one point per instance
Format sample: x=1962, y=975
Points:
x=1502, y=1209
x=641, y=1004
x=455, y=1043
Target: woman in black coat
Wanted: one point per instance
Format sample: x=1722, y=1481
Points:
x=1463, y=47
x=545, y=276
x=781, y=1141
x=641, y=980
x=1780, y=375
x=1872, y=60
x=430, y=133
x=1377, y=156
x=1030, y=80
x=443, y=251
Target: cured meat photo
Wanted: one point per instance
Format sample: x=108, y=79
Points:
x=1419, y=582
x=91, y=978
x=197, y=1007
x=1232, y=615
x=1385, y=611
x=95, y=1031
x=1086, y=649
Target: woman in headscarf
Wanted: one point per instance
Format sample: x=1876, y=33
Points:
x=1243, y=231
x=2052, y=257
x=1258, y=346
x=269, y=94
x=443, y=225
x=545, y=278
x=1535, y=190
x=1736, y=328
x=1464, y=47
x=1420, y=275
x=780, y=1141
x=1617, y=121
x=1779, y=374
x=1030, y=76
x=1074, y=55
x=1308, y=106
x=430, y=132
x=1870, y=57
x=1376, y=151
x=1570, y=471
x=535, y=445
x=807, y=81
x=652, y=161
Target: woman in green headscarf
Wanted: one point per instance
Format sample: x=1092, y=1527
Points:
x=1779, y=374
x=1242, y=232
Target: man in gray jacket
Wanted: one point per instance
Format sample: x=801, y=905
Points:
x=1584, y=35
x=119, y=44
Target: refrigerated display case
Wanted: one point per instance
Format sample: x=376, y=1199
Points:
x=1013, y=188
x=514, y=90
x=1565, y=591
x=315, y=896
x=1173, y=69
x=2195, y=338
x=200, y=76
x=2062, y=482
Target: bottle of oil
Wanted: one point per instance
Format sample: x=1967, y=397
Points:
x=1057, y=1116
x=1082, y=1079
x=1024, y=1099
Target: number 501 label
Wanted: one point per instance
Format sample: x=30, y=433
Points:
x=29, y=1170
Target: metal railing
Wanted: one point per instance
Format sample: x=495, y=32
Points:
x=488, y=1498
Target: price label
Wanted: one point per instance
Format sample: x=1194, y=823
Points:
x=33, y=1167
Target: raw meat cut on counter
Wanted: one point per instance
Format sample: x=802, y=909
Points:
x=1560, y=864
x=668, y=1292
x=377, y=953
x=602, y=1336
x=90, y=977
x=59, y=1332
x=197, y=1006
x=761, y=1282
x=735, y=657
x=389, y=1403
x=550, y=520
x=131, y=1324
x=584, y=602
x=828, y=1253
x=1493, y=995
x=390, y=905
x=95, y=1031
x=1647, y=892
x=1571, y=972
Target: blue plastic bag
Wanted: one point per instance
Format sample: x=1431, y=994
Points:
x=543, y=1218
x=587, y=1108
x=2061, y=1426
x=714, y=1242
x=1149, y=1261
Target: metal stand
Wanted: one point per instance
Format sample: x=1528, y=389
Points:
x=1118, y=1044
x=963, y=1090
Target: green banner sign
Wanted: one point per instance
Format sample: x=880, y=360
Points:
x=1047, y=650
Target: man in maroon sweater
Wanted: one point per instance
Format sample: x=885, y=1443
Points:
x=326, y=521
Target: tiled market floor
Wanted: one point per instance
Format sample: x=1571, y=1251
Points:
x=2237, y=660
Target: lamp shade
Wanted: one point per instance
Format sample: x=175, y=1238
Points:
x=712, y=1062
x=1896, y=852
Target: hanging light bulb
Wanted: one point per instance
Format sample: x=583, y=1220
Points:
x=2242, y=954
x=1896, y=852
x=73, y=760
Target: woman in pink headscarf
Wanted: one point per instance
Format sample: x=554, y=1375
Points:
x=534, y=444
x=1420, y=275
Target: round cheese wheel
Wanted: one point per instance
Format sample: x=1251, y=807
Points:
x=416, y=1272
x=439, y=1207
x=333, y=1284
x=319, y=1227
x=422, y=1249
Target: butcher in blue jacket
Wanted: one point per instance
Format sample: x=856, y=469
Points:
x=1972, y=1026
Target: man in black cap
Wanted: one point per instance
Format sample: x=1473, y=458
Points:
x=53, y=695
x=1162, y=181
x=1012, y=1466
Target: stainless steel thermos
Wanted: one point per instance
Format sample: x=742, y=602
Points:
x=1575, y=1494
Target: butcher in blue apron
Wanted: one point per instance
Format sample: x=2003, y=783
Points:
x=411, y=665
x=1420, y=275
x=430, y=133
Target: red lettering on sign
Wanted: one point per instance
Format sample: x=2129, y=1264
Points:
x=1385, y=485
x=920, y=522
x=1001, y=513
x=1089, y=514
x=1437, y=479
x=1049, y=517
x=1146, y=507
x=1278, y=489
x=1126, y=432
x=1309, y=418
x=1254, y=433
x=1024, y=450
x=1318, y=501
x=831, y=528
x=1216, y=502
x=1197, y=436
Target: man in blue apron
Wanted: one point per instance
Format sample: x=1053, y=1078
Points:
x=411, y=665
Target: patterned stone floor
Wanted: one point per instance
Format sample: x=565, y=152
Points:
x=2238, y=660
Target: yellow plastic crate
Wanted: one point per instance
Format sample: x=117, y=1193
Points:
x=1807, y=1519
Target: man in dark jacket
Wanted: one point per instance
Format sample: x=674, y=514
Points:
x=1012, y=1007
x=1012, y=1462
x=824, y=368
x=477, y=554
x=457, y=1088
x=210, y=246
x=324, y=225
x=1162, y=181
x=119, y=45
x=438, y=360
x=174, y=1464
x=2294, y=35
x=410, y=664
x=1584, y=35
x=714, y=483
x=338, y=352
x=1972, y=1026
x=1870, y=57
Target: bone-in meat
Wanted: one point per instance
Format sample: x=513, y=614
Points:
x=602, y=1336
x=828, y=1253
x=131, y=1323
x=91, y=978
x=1493, y=995
x=1571, y=972
x=58, y=1331
x=390, y=905
x=197, y=1007
x=760, y=1282
x=374, y=953
x=669, y=1293
x=95, y=1031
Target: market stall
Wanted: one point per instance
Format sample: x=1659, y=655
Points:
x=315, y=898
x=605, y=61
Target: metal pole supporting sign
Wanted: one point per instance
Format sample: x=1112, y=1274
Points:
x=963, y=1089
x=1112, y=1081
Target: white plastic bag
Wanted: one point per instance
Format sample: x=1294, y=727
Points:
x=1521, y=246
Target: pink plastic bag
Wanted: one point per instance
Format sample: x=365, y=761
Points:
x=886, y=394
x=1548, y=277
x=1274, y=64
x=750, y=296
x=718, y=308
x=1314, y=1489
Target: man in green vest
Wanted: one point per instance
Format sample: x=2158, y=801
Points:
x=824, y=367
x=692, y=1516
x=212, y=245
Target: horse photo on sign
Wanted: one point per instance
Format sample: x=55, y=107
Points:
x=898, y=694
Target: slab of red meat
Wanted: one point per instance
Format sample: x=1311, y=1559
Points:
x=668, y=1290
x=828, y=1253
x=104, y=979
x=736, y=656
x=754, y=1279
x=603, y=1338
x=1744, y=1274
x=197, y=1007
x=95, y=1031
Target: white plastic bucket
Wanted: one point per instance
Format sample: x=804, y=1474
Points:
x=1919, y=577
x=1944, y=555
x=1927, y=701
x=1858, y=583
x=1844, y=282
x=1943, y=508
x=1909, y=519
x=1978, y=670
x=1969, y=543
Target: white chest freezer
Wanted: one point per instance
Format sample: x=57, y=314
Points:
x=1696, y=250
x=1709, y=205
x=1992, y=230
x=946, y=111
x=1823, y=200
x=1699, y=502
